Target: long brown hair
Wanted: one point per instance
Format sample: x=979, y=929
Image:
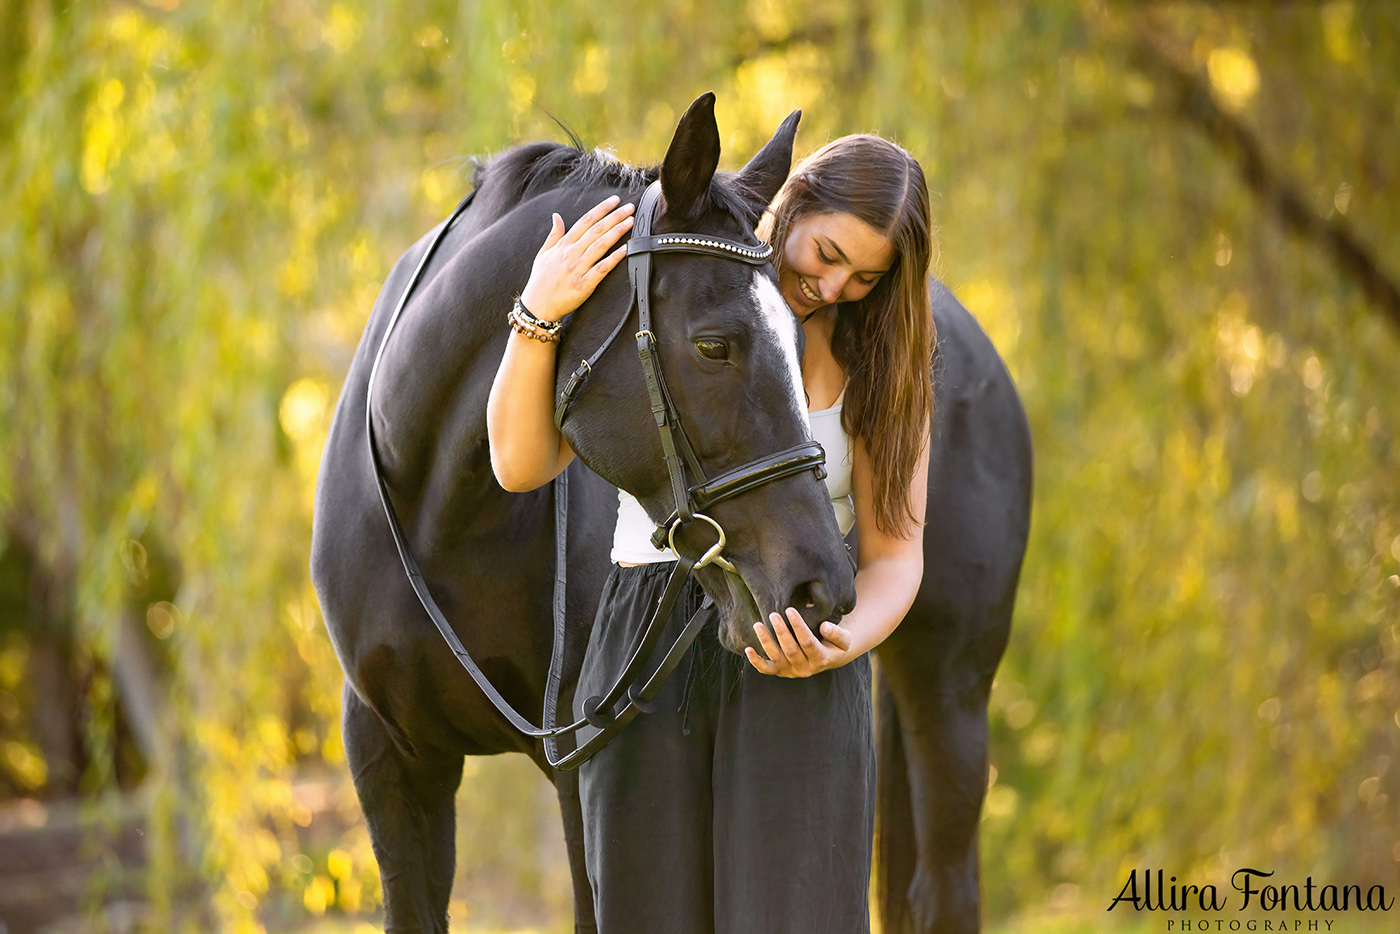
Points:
x=884, y=342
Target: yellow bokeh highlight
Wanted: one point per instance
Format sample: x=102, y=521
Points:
x=1233, y=76
x=1336, y=30
x=319, y=895
x=339, y=864
x=25, y=765
x=771, y=18
x=342, y=28
x=303, y=408
x=522, y=92
x=102, y=141
x=991, y=303
x=766, y=89
x=592, y=74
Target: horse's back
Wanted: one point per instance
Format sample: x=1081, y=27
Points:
x=937, y=667
x=980, y=458
x=346, y=499
x=978, y=514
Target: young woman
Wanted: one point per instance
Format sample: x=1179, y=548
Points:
x=746, y=801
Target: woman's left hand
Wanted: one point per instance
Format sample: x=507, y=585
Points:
x=797, y=653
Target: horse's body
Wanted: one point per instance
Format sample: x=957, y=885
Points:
x=412, y=713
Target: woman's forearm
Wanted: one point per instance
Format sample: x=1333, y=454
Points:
x=885, y=590
x=527, y=451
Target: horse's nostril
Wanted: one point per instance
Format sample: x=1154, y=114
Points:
x=812, y=595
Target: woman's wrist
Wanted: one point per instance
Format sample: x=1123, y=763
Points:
x=523, y=322
x=542, y=308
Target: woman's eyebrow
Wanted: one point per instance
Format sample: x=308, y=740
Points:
x=841, y=253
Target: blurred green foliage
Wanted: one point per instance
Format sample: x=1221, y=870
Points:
x=203, y=198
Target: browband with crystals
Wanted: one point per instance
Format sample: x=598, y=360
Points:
x=700, y=243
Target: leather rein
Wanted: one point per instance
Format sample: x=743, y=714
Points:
x=601, y=711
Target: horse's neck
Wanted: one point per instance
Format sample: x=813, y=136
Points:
x=436, y=370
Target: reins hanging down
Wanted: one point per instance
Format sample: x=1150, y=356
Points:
x=689, y=500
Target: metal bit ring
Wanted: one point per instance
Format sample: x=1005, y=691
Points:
x=712, y=555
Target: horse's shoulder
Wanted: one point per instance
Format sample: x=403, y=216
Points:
x=964, y=355
x=974, y=393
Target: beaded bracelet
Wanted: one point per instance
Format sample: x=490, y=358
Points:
x=549, y=327
x=526, y=324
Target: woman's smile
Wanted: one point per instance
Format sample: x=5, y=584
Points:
x=830, y=258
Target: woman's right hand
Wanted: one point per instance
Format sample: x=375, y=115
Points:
x=570, y=265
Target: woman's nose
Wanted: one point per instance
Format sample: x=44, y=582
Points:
x=833, y=285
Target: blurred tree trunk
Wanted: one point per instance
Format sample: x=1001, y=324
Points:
x=14, y=40
x=55, y=720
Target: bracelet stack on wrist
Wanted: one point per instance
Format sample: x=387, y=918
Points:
x=523, y=322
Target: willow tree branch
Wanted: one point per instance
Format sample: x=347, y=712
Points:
x=1190, y=99
x=819, y=34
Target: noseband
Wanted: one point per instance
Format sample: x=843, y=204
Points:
x=689, y=499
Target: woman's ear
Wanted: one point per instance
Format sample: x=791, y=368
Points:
x=692, y=158
x=769, y=167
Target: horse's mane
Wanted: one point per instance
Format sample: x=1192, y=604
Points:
x=534, y=168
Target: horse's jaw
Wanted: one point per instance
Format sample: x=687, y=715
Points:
x=738, y=615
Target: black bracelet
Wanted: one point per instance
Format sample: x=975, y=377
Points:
x=549, y=327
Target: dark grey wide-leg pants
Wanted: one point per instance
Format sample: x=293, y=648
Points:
x=745, y=803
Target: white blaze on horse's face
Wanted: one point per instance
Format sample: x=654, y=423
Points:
x=779, y=319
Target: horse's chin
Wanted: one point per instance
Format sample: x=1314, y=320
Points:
x=737, y=616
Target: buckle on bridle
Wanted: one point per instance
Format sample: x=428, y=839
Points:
x=712, y=554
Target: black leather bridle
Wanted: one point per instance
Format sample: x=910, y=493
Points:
x=690, y=499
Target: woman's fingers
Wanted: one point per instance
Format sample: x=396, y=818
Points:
x=770, y=647
x=556, y=231
x=604, y=240
x=601, y=269
x=607, y=223
x=791, y=650
x=597, y=213
x=837, y=636
x=808, y=642
x=759, y=662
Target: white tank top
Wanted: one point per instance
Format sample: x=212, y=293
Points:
x=632, y=537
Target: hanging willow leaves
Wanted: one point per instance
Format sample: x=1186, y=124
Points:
x=203, y=199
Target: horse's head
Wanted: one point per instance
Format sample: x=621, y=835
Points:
x=730, y=357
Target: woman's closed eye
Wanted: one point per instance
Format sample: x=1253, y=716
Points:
x=831, y=261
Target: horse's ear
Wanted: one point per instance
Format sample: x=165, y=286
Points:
x=769, y=167
x=692, y=158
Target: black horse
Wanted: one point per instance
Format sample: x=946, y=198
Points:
x=410, y=711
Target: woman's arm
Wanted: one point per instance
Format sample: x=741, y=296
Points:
x=527, y=451
x=888, y=572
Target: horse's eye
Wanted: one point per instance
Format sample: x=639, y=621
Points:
x=712, y=349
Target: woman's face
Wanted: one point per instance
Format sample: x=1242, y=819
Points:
x=831, y=258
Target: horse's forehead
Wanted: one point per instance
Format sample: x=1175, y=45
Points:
x=716, y=221
x=775, y=318
x=748, y=297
